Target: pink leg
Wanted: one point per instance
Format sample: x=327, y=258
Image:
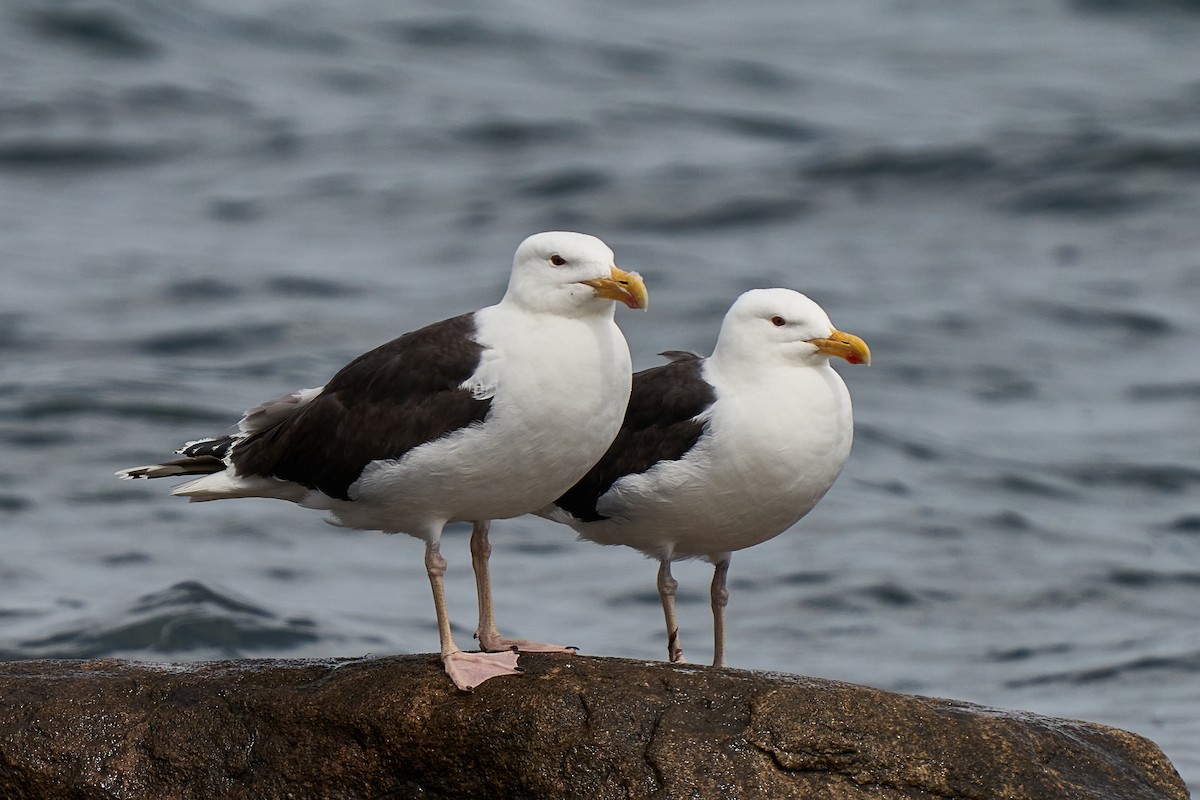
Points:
x=467, y=670
x=490, y=638
x=720, y=599
x=667, y=586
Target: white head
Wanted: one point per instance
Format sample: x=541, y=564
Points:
x=780, y=326
x=572, y=274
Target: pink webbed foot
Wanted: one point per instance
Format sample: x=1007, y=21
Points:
x=495, y=643
x=468, y=670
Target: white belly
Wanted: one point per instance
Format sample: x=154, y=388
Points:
x=764, y=464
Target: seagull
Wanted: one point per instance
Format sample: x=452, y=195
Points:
x=722, y=453
x=488, y=415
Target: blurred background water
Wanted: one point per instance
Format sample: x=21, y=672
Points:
x=208, y=203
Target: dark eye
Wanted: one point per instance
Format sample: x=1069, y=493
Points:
x=557, y=260
x=778, y=321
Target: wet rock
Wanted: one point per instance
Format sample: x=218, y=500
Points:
x=570, y=727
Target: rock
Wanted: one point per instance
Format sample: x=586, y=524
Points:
x=571, y=727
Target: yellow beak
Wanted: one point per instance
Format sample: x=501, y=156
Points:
x=844, y=345
x=624, y=286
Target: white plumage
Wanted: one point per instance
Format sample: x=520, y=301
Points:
x=485, y=416
x=724, y=453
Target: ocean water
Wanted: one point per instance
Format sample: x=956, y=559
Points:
x=208, y=203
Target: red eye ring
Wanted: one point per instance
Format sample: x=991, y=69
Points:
x=557, y=260
x=778, y=321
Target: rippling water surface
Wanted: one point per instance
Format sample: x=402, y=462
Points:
x=206, y=204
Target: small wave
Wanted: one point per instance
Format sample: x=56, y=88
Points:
x=85, y=404
x=894, y=487
x=1140, y=668
x=84, y=152
x=1164, y=392
x=917, y=451
x=863, y=599
x=1025, y=483
x=1165, y=478
x=102, y=126
x=649, y=597
x=26, y=438
x=173, y=99
x=1062, y=599
x=119, y=495
x=1188, y=523
x=14, y=503
x=633, y=59
x=540, y=547
x=890, y=594
x=285, y=32
x=1025, y=653
x=300, y=286
x=11, y=335
x=1123, y=320
x=774, y=127
x=751, y=74
x=194, y=290
x=213, y=340
x=101, y=31
x=17, y=613
x=185, y=617
x=351, y=81
x=1100, y=152
x=1133, y=6
x=1073, y=194
x=709, y=213
x=803, y=578
x=564, y=182
x=125, y=558
x=949, y=163
x=1138, y=154
x=1013, y=521
x=461, y=33
x=507, y=134
x=1002, y=385
x=236, y=209
x=1082, y=173
x=1152, y=579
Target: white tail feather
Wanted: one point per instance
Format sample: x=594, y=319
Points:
x=148, y=471
x=223, y=485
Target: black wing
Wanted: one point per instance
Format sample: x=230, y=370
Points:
x=660, y=425
x=381, y=405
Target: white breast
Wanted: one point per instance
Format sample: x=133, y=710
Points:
x=773, y=448
x=559, y=387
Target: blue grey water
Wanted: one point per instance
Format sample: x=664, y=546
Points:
x=208, y=203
